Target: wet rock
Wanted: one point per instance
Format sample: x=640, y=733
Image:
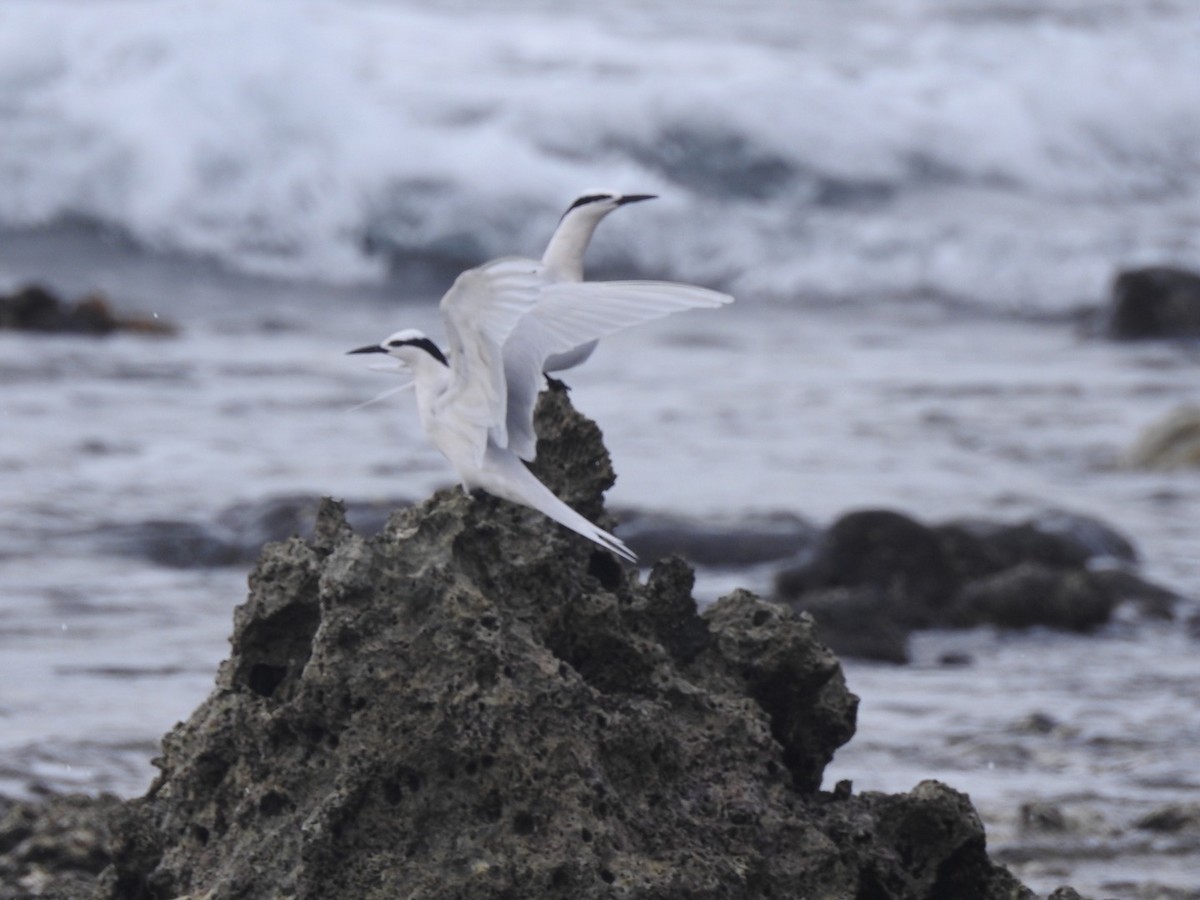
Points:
x=1155, y=302
x=895, y=575
x=34, y=308
x=238, y=534
x=717, y=542
x=1172, y=444
x=1037, y=723
x=1060, y=539
x=1151, y=600
x=55, y=847
x=1171, y=818
x=857, y=622
x=476, y=703
x=881, y=549
x=1066, y=893
x=1033, y=594
x=1041, y=816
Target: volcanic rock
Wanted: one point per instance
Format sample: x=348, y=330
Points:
x=1032, y=594
x=1155, y=302
x=876, y=575
x=477, y=703
x=34, y=308
x=882, y=549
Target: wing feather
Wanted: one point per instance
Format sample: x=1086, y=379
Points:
x=480, y=311
x=568, y=314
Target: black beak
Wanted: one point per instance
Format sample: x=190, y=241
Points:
x=372, y=348
x=634, y=198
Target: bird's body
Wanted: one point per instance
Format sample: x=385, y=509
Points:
x=563, y=258
x=504, y=320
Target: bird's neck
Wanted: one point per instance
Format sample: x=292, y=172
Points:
x=564, y=254
x=430, y=380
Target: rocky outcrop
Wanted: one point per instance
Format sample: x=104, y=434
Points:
x=476, y=703
x=876, y=575
x=1155, y=302
x=34, y=308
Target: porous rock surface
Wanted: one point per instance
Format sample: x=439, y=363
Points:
x=477, y=703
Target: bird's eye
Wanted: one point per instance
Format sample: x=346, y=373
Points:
x=395, y=343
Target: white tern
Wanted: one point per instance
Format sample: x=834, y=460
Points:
x=503, y=320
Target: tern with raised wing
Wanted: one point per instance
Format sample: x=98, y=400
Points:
x=564, y=254
x=503, y=320
x=562, y=261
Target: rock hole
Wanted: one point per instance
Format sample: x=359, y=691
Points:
x=607, y=877
x=605, y=569
x=560, y=877
x=273, y=803
x=200, y=833
x=265, y=679
x=586, y=835
x=492, y=807
x=761, y=617
x=392, y=792
x=522, y=823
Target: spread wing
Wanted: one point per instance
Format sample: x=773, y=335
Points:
x=480, y=311
x=568, y=314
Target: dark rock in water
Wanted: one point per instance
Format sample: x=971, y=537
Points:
x=882, y=549
x=239, y=533
x=1152, y=600
x=1066, y=540
x=34, y=308
x=1066, y=893
x=717, y=543
x=876, y=575
x=181, y=545
x=55, y=847
x=1155, y=302
x=1041, y=816
x=1171, y=818
x=477, y=703
x=1097, y=539
x=858, y=622
x=1034, y=594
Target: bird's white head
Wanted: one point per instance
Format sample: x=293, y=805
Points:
x=597, y=204
x=564, y=254
x=409, y=346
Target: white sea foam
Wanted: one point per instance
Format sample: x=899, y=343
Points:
x=1001, y=153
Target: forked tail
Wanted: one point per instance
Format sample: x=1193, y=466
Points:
x=508, y=477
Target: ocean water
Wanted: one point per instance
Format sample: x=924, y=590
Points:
x=994, y=151
x=911, y=200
